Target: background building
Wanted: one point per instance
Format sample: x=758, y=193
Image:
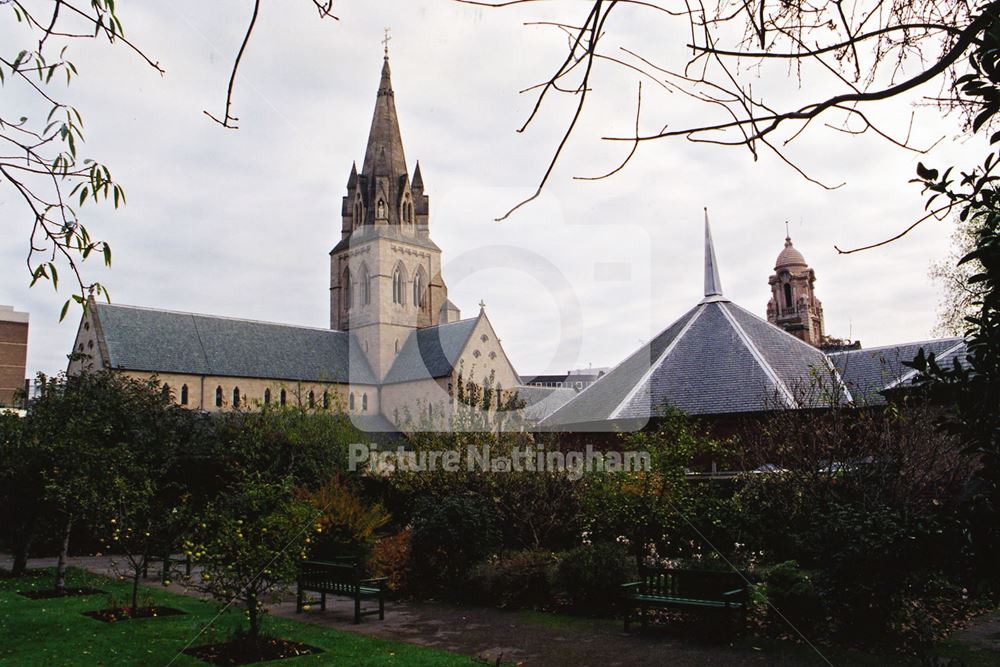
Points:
x=13, y=353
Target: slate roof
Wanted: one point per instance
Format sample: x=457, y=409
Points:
x=540, y=402
x=716, y=359
x=869, y=372
x=142, y=339
x=431, y=352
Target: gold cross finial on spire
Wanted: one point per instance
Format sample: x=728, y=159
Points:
x=385, y=42
x=482, y=304
x=787, y=234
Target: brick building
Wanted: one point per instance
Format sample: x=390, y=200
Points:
x=13, y=352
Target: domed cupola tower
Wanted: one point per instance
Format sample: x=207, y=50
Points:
x=793, y=305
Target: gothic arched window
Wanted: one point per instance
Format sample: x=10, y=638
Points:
x=326, y=400
x=282, y=397
x=788, y=295
x=184, y=394
x=267, y=397
x=165, y=391
x=397, y=285
x=366, y=287
x=359, y=212
x=312, y=399
x=406, y=210
x=419, y=287
x=236, y=397
x=348, y=292
x=218, y=397
x=364, y=402
x=350, y=401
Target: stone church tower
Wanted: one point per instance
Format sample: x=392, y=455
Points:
x=793, y=305
x=385, y=273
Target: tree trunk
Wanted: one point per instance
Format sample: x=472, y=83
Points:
x=21, y=550
x=136, y=575
x=63, y=553
x=254, y=615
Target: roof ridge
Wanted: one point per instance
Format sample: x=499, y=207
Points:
x=769, y=370
x=913, y=371
x=616, y=366
x=699, y=309
x=892, y=345
x=777, y=328
x=826, y=358
x=217, y=317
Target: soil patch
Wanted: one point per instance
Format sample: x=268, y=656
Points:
x=246, y=651
x=50, y=593
x=126, y=614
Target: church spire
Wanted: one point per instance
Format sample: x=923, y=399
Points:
x=713, y=285
x=384, y=134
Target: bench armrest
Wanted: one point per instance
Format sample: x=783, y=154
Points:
x=631, y=584
x=735, y=591
x=374, y=580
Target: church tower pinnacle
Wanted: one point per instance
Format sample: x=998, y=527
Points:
x=793, y=305
x=385, y=272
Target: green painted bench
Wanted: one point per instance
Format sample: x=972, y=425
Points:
x=694, y=590
x=167, y=560
x=339, y=578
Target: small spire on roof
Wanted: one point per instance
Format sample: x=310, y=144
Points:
x=713, y=285
x=418, y=179
x=482, y=305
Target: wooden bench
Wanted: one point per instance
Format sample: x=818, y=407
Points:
x=339, y=578
x=687, y=589
x=167, y=560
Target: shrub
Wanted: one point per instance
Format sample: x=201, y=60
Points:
x=451, y=534
x=591, y=575
x=792, y=592
x=523, y=579
x=392, y=557
x=347, y=523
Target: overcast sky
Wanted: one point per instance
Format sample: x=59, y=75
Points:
x=240, y=223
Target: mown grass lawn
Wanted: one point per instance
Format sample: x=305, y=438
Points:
x=55, y=633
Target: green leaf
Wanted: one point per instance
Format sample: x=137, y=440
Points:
x=107, y=255
x=65, y=309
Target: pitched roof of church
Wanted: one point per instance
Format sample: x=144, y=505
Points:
x=869, y=372
x=431, y=352
x=142, y=339
x=717, y=358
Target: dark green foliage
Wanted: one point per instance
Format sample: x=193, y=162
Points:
x=591, y=575
x=249, y=541
x=22, y=490
x=973, y=389
x=282, y=442
x=522, y=579
x=649, y=508
x=450, y=535
x=792, y=594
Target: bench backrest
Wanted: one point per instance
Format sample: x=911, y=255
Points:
x=342, y=577
x=692, y=584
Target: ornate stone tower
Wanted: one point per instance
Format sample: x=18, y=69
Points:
x=793, y=305
x=385, y=273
